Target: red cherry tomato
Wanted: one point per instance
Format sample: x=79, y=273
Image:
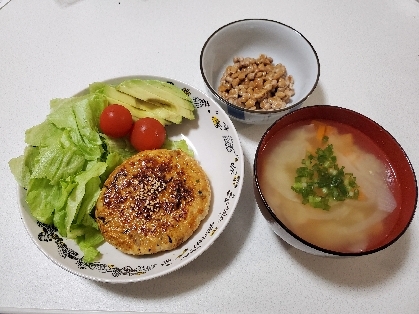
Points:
x=116, y=121
x=147, y=133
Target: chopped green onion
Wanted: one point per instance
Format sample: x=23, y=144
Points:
x=320, y=179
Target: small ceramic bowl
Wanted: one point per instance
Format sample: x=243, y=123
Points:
x=399, y=177
x=251, y=38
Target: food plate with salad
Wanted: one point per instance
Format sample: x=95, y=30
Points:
x=69, y=157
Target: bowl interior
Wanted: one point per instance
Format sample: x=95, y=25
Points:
x=394, y=153
x=250, y=38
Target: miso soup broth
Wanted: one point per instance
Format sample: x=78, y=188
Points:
x=349, y=226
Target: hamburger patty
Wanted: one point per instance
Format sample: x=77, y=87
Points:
x=153, y=202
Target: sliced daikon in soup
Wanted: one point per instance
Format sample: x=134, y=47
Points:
x=284, y=159
x=348, y=225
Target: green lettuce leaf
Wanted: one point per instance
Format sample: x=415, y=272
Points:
x=179, y=144
x=80, y=116
x=64, y=166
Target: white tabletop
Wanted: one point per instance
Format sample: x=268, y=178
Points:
x=369, y=54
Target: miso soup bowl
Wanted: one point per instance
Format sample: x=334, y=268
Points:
x=251, y=38
x=396, y=156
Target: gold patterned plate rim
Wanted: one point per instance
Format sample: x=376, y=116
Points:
x=216, y=145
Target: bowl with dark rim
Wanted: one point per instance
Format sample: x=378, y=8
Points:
x=249, y=38
x=399, y=176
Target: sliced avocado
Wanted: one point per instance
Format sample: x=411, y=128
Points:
x=188, y=114
x=159, y=111
x=165, y=88
x=136, y=89
x=139, y=113
x=142, y=90
x=117, y=97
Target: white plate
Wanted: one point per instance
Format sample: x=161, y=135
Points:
x=215, y=142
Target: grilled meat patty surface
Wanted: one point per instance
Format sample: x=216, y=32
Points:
x=153, y=202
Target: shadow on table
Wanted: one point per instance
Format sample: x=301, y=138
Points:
x=355, y=272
